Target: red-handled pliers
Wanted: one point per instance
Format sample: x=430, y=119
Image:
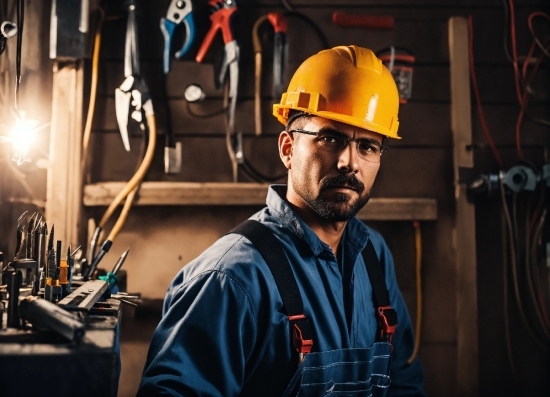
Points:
x=223, y=12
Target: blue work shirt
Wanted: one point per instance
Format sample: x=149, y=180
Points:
x=224, y=331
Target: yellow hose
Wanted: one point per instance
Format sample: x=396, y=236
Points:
x=418, y=326
x=93, y=95
x=135, y=181
x=258, y=74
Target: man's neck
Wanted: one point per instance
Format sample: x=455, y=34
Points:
x=329, y=232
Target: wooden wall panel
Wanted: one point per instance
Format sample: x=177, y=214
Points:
x=419, y=165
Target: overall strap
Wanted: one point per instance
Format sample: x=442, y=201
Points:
x=272, y=252
x=387, y=317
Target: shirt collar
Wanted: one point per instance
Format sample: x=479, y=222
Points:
x=356, y=232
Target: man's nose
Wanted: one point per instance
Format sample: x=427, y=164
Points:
x=348, y=159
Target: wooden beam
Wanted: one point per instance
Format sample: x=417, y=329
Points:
x=189, y=193
x=465, y=244
x=64, y=192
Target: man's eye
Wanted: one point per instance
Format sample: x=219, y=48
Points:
x=368, y=147
x=330, y=140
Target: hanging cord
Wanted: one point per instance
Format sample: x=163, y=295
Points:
x=93, y=96
x=532, y=30
x=534, y=258
x=484, y=126
x=305, y=18
x=136, y=179
x=531, y=277
x=513, y=259
x=20, y=21
x=418, y=267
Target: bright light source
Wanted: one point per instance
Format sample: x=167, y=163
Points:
x=22, y=136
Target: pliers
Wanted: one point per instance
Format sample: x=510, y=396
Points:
x=180, y=11
x=132, y=95
x=280, y=51
x=222, y=19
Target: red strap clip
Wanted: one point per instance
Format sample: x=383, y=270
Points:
x=387, y=321
x=303, y=346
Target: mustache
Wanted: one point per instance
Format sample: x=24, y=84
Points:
x=348, y=180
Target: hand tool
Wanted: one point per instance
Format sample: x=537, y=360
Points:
x=85, y=296
x=132, y=96
x=111, y=277
x=15, y=279
x=280, y=52
x=29, y=242
x=44, y=261
x=20, y=232
x=179, y=11
x=50, y=268
x=44, y=315
x=222, y=19
x=39, y=236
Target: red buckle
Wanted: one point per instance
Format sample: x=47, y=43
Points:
x=303, y=346
x=386, y=329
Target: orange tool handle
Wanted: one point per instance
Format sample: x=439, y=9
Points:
x=380, y=22
x=278, y=21
x=221, y=19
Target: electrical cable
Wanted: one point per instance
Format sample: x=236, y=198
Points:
x=418, y=273
x=531, y=29
x=305, y=18
x=530, y=278
x=287, y=5
x=473, y=76
x=533, y=250
x=93, y=96
x=310, y=22
x=20, y=21
x=505, y=35
x=513, y=259
x=137, y=177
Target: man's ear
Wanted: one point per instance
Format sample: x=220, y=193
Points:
x=285, y=148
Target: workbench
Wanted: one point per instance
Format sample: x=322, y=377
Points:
x=34, y=363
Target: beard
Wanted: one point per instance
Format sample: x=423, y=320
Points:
x=338, y=208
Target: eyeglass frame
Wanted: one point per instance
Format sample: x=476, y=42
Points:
x=382, y=148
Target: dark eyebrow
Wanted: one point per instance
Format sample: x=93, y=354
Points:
x=328, y=130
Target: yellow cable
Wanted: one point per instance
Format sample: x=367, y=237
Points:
x=93, y=94
x=123, y=214
x=135, y=181
x=258, y=74
x=418, y=326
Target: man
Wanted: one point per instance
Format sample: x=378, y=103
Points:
x=226, y=330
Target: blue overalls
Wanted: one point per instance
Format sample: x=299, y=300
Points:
x=342, y=372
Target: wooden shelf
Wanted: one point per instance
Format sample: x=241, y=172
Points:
x=227, y=193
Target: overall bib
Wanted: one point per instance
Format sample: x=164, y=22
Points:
x=350, y=372
x=345, y=372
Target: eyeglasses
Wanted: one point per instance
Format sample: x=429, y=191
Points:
x=332, y=141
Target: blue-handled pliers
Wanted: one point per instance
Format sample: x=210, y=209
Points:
x=180, y=11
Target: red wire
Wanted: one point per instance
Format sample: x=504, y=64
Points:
x=514, y=51
x=486, y=131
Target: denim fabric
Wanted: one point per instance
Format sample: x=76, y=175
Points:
x=224, y=333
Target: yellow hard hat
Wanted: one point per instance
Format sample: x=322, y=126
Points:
x=347, y=84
